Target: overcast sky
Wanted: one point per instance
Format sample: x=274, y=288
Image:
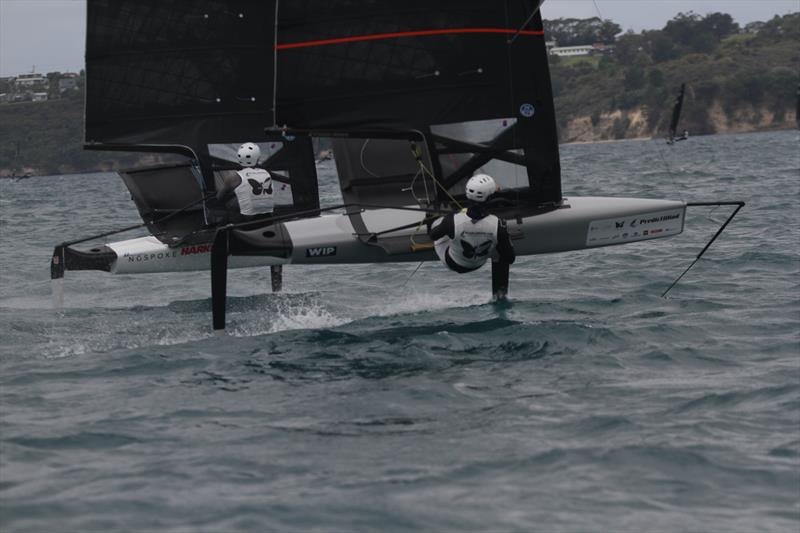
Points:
x=49, y=34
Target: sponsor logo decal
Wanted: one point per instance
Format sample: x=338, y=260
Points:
x=615, y=231
x=200, y=249
x=139, y=258
x=654, y=220
x=321, y=252
x=527, y=110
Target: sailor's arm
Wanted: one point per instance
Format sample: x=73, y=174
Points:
x=446, y=227
x=505, y=250
x=229, y=183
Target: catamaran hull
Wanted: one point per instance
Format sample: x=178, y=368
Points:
x=581, y=223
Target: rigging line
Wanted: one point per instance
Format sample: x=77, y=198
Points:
x=511, y=101
x=312, y=212
x=140, y=225
x=527, y=21
x=710, y=214
x=268, y=221
x=417, y=151
x=417, y=199
x=437, y=182
x=410, y=189
x=361, y=159
x=403, y=286
x=738, y=205
x=425, y=185
x=598, y=9
x=418, y=156
x=669, y=170
x=275, y=70
x=396, y=228
x=411, y=237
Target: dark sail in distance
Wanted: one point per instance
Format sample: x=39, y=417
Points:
x=676, y=114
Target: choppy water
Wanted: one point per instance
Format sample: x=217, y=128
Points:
x=353, y=402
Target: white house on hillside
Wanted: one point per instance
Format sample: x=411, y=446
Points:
x=24, y=81
x=583, y=50
x=569, y=51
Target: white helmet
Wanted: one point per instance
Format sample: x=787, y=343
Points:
x=480, y=187
x=248, y=154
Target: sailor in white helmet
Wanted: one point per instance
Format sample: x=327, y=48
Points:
x=465, y=241
x=251, y=186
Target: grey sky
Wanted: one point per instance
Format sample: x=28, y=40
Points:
x=49, y=34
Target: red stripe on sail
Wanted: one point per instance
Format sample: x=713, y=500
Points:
x=420, y=33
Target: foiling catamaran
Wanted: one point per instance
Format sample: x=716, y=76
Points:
x=417, y=96
x=673, y=136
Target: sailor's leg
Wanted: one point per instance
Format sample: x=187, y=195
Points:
x=500, y=274
x=276, y=276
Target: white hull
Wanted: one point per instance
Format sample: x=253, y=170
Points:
x=584, y=222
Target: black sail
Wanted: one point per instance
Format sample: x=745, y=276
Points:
x=407, y=66
x=178, y=72
x=188, y=73
x=676, y=113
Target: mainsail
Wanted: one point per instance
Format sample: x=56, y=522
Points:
x=676, y=116
x=182, y=74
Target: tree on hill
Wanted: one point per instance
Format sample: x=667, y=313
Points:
x=781, y=27
x=700, y=34
x=575, y=32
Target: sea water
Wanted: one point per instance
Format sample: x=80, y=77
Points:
x=373, y=398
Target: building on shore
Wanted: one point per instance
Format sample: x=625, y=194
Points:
x=67, y=82
x=30, y=81
x=34, y=87
x=581, y=50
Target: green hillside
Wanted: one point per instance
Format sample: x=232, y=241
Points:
x=736, y=81
x=47, y=138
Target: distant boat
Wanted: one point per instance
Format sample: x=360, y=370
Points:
x=676, y=117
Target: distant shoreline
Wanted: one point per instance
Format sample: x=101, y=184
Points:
x=7, y=176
